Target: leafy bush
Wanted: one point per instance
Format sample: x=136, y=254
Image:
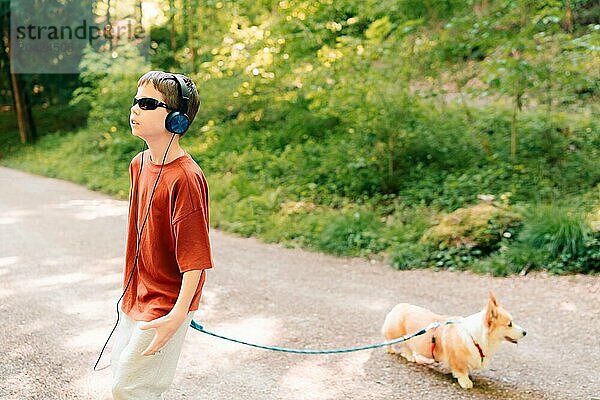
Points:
x=555, y=237
x=353, y=232
x=562, y=239
x=555, y=228
x=458, y=240
x=480, y=227
x=409, y=255
x=588, y=260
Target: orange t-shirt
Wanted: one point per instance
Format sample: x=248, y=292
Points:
x=174, y=239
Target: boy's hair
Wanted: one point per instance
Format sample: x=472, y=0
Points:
x=167, y=85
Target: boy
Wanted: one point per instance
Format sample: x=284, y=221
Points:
x=165, y=266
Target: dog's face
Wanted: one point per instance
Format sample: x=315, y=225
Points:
x=500, y=323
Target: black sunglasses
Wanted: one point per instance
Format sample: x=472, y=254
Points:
x=148, y=103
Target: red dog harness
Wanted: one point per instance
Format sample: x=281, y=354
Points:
x=478, y=348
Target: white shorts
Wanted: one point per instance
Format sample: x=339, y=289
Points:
x=143, y=377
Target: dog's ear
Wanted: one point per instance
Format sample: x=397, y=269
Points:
x=493, y=298
x=491, y=310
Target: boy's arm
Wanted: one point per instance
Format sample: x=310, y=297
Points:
x=186, y=293
x=167, y=326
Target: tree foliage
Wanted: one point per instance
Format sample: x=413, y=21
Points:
x=380, y=104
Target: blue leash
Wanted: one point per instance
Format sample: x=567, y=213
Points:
x=433, y=325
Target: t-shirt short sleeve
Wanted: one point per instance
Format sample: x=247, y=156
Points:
x=192, y=242
x=191, y=224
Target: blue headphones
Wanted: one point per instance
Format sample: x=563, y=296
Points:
x=177, y=121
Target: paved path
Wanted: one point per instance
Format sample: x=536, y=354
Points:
x=61, y=254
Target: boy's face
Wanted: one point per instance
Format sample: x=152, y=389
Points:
x=148, y=124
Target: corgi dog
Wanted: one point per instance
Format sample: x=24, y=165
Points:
x=462, y=344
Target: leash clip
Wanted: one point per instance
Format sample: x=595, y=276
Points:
x=433, y=325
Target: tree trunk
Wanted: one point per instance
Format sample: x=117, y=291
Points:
x=485, y=145
x=191, y=30
x=3, y=84
x=392, y=154
x=107, y=25
x=568, y=21
x=549, y=92
x=480, y=8
x=29, y=115
x=4, y=58
x=172, y=25
x=138, y=11
x=430, y=10
x=513, y=130
x=23, y=120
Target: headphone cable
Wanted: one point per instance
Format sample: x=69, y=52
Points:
x=139, y=238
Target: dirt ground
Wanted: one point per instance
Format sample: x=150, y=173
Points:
x=61, y=255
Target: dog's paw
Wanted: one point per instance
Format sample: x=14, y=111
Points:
x=465, y=382
x=423, y=360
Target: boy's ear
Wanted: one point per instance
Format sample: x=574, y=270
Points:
x=491, y=310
